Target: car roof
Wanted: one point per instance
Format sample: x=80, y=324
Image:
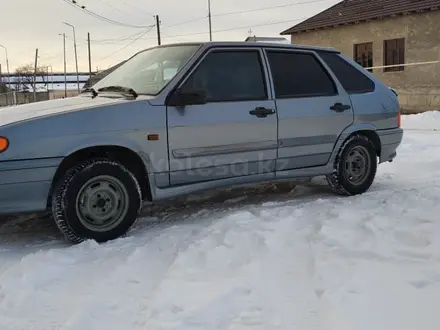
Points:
x=254, y=44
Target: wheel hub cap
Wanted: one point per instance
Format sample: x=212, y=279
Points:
x=357, y=165
x=102, y=203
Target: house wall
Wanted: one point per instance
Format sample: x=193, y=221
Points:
x=418, y=86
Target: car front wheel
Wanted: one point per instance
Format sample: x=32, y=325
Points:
x=96, y=199
x=355, y=167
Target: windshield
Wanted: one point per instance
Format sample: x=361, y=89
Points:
x=150, y=71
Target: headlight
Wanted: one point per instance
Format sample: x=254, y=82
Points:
x=4, y=143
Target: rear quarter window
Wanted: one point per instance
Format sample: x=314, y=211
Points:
x=353, y=80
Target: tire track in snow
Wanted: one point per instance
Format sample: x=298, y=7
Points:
x=130, y=267
x=295, y=256
x=209, y=276
x=143, y=296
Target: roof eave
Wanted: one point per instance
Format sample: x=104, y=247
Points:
x=292, y=30
x=286, y=32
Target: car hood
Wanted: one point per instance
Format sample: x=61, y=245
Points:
x=10, y=115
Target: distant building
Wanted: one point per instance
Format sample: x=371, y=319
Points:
x=378, y=33
x=267, y=39
x=51, y=81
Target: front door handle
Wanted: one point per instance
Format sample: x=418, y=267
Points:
x=261, y=112
x=339, y=107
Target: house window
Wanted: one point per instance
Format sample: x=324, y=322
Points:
x=394, y=54
x=363, y=55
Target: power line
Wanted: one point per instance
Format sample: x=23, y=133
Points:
x=241, y=27
x=127, y=45
x=165, y=35
x=187, y=22
x=267, y=8
x=51, y=56
x=106, y=3
x=237, y=28
x=136, y=8
x=222, y=30
x=115, y=40
x=102, y=18
x=245, y=11
x=200, y=33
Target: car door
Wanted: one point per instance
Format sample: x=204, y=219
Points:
x=313, y=108
x=234, y=133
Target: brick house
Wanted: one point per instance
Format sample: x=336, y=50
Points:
x=378, y=33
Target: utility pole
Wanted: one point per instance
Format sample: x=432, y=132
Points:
x=51, y=74
x=1, y=80
x=7, y=66
x=47, y=81
x=90, y=55
x=210, y=20
x=76, y=55
x=158, y=30
x=65, y=65
x=35, y=75
x=76, y=60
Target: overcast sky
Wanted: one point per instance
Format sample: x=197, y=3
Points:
x=29, y=24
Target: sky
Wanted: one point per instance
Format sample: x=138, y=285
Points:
x=26, y=25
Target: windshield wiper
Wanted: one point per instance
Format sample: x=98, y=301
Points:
x=119, y=89
x=90, y=90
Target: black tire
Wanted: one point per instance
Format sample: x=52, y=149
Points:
x=66, y=206
x=339, y=181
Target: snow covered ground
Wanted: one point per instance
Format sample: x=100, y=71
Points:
x=267, y=258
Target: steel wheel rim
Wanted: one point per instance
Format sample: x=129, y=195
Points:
x=357, y=165
x=102, y=203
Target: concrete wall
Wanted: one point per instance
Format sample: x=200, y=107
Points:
x=418, y=86
x=22, y=98
x=59, y=94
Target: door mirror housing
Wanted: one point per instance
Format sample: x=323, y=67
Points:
x=181, y=99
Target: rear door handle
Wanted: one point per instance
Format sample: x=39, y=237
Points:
x=339, y=107
x=261, y=112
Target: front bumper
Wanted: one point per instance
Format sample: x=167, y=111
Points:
x=25, y=184
x=390, y=140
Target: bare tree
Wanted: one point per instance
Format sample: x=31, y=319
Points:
x=25, y=77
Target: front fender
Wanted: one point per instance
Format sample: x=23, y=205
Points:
x=129, y=141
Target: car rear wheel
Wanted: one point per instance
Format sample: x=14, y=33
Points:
x=96, y=199
x=355, y=167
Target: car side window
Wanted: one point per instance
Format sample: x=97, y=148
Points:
x=351, y=78
x=299, y=75
x=226, y=76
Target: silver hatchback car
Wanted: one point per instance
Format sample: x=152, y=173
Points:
x=183, y=118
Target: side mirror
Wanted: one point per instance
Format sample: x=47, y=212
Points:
x=182, y=99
